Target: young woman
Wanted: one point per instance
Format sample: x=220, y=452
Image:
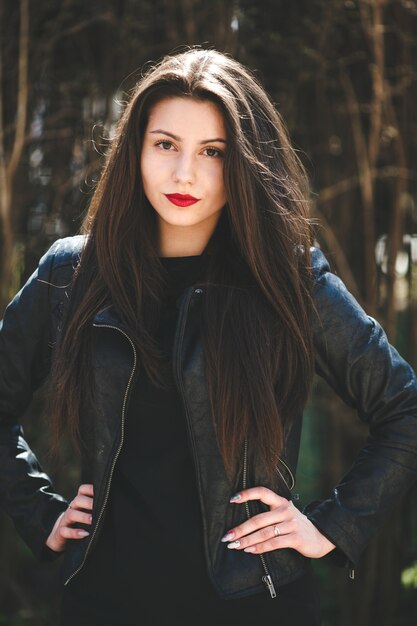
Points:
x=182, y=330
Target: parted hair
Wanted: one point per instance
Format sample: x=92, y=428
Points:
x=256, y=313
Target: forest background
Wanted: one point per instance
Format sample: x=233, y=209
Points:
x=343, y=73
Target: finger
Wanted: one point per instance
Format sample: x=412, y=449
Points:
x=82, y=502
x=285, y=541
x=263, y=535
x=73, y=516
x=265, y=495
x=72, y=533
x=86, y=489
x=275, y=516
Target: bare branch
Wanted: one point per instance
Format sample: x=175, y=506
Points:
x=8, y=170
x=367, y=191
x=22, y=95
x=328, y=194
x=376, y=35
x=397, y=221
x=341, y=262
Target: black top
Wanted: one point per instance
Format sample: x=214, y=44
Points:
x=148, y=563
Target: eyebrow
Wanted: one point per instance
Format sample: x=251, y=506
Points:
x=160, y=131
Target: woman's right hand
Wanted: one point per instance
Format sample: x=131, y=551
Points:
x=62, y=530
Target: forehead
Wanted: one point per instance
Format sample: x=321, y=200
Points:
x=189, y=114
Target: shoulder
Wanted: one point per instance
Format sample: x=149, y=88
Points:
x=325, y=281
x=319, y=264
x=58, y=263
x=334, y=305
x=67, y=251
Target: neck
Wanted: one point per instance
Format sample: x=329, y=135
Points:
x=176, y=241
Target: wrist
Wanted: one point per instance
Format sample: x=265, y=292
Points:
x=54, y=542
x=327, y=545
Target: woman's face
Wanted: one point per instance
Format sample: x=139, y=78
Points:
x=182, y=172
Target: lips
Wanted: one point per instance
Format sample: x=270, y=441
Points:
x=180, y=199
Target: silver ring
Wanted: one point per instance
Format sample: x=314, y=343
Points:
x=276, y=531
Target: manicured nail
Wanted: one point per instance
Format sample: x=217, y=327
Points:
x=83, y=533
x=233, y=545
x=250, y=549
x=228, y=537
x=237, y=496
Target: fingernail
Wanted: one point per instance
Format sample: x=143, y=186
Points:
x=228, y=537
x=237, y=496
x=233, y=545
x=83, y=533
x=250, y=549
x=91, y=518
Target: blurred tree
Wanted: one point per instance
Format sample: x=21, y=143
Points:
x=61, y=67
x=12, y=140
x=72, y=58
x=343, y=74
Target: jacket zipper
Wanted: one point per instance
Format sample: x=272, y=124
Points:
x=176, y=363
x=266, y=579
x=118, y=449
x=290, y=487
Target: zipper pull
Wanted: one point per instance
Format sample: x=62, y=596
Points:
x=269, y=585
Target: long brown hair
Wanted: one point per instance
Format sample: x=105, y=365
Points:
x=256, y=314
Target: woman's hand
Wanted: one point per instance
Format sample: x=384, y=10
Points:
x=62, y=530
x=283, y=526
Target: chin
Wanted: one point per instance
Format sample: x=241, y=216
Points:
x=180, y=220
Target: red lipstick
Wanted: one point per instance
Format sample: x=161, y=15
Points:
x=180, y=199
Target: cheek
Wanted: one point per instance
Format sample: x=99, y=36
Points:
x=221, y=190
x=143, y=170
x=216, y=181
x=147, y=174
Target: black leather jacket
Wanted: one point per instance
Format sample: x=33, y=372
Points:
x=352, y=354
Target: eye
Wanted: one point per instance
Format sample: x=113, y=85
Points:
x=213, y=152
x=164, y=145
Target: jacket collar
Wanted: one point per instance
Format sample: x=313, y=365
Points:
x=108, y=315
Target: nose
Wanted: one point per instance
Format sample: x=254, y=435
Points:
x=184, y=170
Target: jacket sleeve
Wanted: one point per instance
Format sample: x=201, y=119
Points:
x=353, y=355
x=26, y=492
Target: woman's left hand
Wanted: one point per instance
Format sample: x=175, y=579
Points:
x=283, y=526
